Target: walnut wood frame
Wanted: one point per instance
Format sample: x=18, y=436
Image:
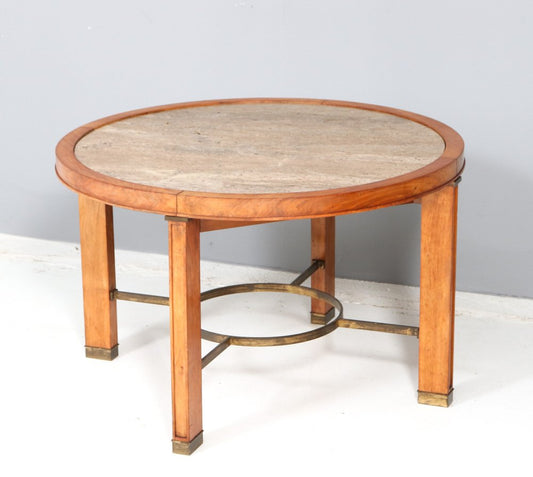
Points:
x=434, y=186
x=261, y=207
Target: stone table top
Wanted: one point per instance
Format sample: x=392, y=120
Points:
x=258, y=148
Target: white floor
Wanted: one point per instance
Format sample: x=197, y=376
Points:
x=344, y=404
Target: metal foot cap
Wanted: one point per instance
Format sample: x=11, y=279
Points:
x=322, y=318
x=435, y=399
x=101, y=353
x=187, y=448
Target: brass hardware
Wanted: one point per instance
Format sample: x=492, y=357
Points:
x=101, y=353
x=139, y=297
x=170, y=218
x=215, y=351
x=321, y=318
x=329, y=322
x=273, y=340
x=214, y=337
x=187, y=448
x=376, y=326
x=435, y=399
x=308, y=272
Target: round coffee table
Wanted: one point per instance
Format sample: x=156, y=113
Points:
x=220, y=164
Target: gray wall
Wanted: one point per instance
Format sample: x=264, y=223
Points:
x=465, y=62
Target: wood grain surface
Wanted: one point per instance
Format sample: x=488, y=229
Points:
x=185, y=332
x=98, y=273
x=260, y=159
x=437, y=290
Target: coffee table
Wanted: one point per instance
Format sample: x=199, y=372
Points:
x=229, y=163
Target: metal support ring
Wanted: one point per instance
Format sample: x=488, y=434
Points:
x=331, y=325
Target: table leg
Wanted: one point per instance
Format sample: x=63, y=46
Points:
x=323, y=248
x=437, y=296
x=185, y=334
x=98, y=277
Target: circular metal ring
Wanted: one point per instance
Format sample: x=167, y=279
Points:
x=274, y=340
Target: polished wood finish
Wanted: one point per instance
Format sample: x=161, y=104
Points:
x=185, y=332
x=211, y=225
x=83, y=180
x=190, y=212
x=261, y=207
x=437, y=291
x=323, y=248
x=98, y=277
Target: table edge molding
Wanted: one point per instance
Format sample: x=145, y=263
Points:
x=254, y=207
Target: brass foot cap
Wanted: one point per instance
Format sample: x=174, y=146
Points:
x=435, y=399
x=101, y=353
x=321, y=318
x=187, y=448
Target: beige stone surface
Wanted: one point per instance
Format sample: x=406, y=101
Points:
x=259, y=148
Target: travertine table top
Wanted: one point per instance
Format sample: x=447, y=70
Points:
x=259, y=148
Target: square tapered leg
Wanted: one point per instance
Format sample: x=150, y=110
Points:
x=98, y=277
x=185, y=334
x=323, y=248
x=437, y=296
